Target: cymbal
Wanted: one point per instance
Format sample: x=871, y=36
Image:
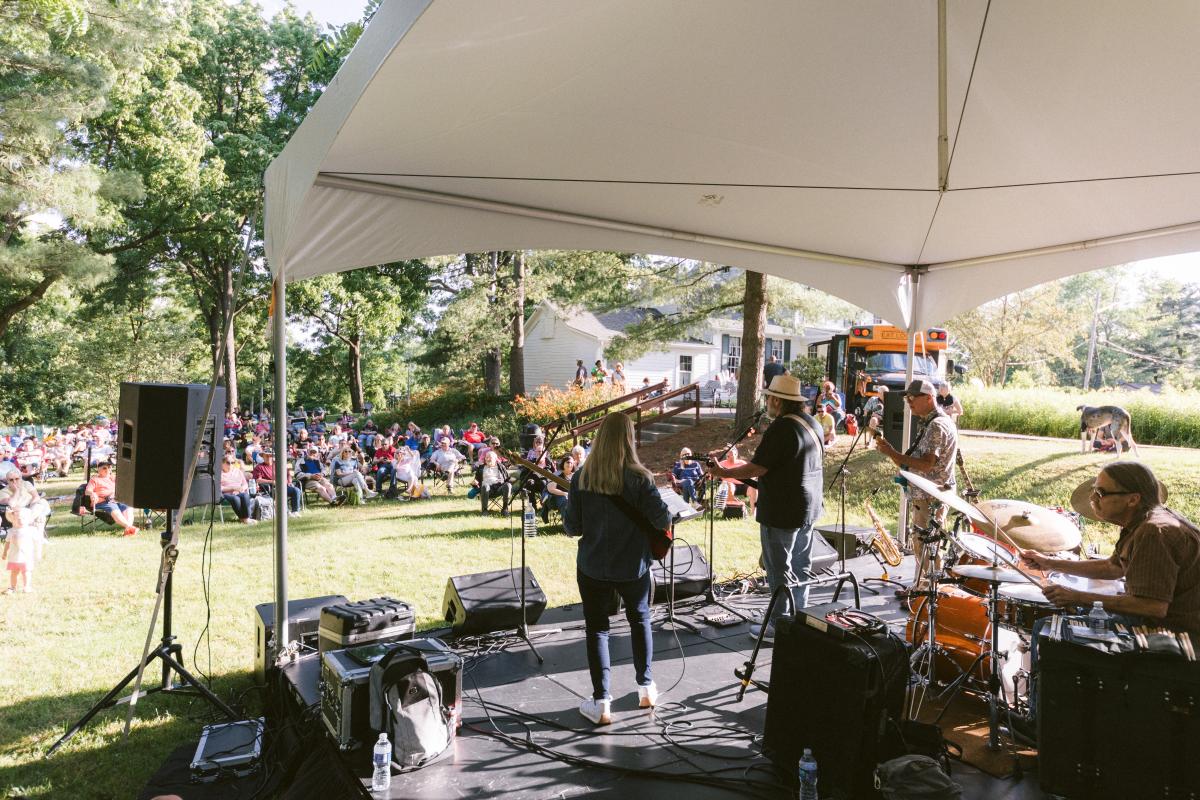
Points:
x=948, y=497
x=1081, y=498
x=1031, y=527
x=983, y=572
x=1093, y=585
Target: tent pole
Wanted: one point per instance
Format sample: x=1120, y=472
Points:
x=279, y=341
x=914, y=276
x=943, y=124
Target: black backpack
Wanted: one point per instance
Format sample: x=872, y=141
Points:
x=81, y=501
x=407, y=704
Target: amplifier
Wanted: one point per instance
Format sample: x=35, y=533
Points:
x=304, y=618
x=380, y=619
x=491, y=601
x=346, y=699
x=833, y=695
x=856, y=542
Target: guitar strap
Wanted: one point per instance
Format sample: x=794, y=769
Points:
x=808, y=429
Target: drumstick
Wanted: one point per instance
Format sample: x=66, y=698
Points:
x=1016, y=567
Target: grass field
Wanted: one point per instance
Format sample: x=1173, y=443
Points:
x=64, y=645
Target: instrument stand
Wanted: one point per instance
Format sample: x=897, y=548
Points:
x=929, y=650
x=168, y=651
x=523, y=631
x=670, y=621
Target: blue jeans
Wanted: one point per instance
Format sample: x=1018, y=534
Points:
x=787, y=555
x=294, y=495
x=385, y=470
x=240, y=503
x=688, y=487
x=596, y=596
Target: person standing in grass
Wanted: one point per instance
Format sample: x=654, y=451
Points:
x=20, y=549
x=614, y=555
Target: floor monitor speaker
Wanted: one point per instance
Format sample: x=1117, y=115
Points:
x=491, y=601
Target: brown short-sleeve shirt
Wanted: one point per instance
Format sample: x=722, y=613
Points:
x=1160, y=555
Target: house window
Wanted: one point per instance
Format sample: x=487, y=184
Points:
x=734, y=356
x=685, y=370
x=775, y=348
x=812, y=351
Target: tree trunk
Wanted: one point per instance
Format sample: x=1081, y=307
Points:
x=356, y=385
x=20, y=304
x=516, y=355
x=491, y=371
x=754, y=327
x=228, y=304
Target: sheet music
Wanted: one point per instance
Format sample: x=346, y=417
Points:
x=680, y=510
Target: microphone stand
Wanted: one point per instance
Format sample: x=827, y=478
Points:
x=710, y=596
x=841, y=474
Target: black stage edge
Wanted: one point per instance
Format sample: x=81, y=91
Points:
x=700, y=730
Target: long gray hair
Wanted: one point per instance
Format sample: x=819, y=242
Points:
x=612, y=453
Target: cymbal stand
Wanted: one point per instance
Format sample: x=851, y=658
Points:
x=924, y=658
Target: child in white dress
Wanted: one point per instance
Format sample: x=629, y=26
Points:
x=20, y=549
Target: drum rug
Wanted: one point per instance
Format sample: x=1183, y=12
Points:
x=965, y=723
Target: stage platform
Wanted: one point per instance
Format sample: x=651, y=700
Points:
x=523, y=737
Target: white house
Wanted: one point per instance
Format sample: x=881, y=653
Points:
x=555, y=338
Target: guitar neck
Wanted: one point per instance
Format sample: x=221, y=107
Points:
x=562, y=482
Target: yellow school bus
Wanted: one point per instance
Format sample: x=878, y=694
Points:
x=881, y=352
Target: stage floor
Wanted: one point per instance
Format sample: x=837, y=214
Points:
x=701, y=735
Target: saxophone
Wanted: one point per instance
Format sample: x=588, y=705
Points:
x=883, y=541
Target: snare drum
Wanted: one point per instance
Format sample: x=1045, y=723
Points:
x=1024, y=605
x=973, y=548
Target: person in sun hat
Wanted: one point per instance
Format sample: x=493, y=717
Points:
x=788, y=466
x=931, y=456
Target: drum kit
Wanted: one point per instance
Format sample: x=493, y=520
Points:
x=973, y=624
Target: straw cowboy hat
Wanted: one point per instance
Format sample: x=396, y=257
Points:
x=785, y=387
x=1081, y=498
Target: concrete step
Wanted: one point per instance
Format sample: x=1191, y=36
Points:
x=661, y=430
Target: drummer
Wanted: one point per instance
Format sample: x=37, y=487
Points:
x=1157, y=553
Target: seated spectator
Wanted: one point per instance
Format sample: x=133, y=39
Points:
x=263, y=426
x=445, y=461
x=578, y=455
x=312, y=476
x=408, y=466
x=828, y=423
x=31, y=460
x=1104, y=441
x=384, y=463
x=235, y=489
x=537, y=454
x=734, y=486
x=471, y=438
x=873, y=407
x=100, y=490
x=303, y=438
x=412, y=436
x=492, y=444
x=344, y=470
x=491, y=478
x=424, y=449
x=687, y=476
x=59, y=458
x=443, y=433
x=264, y=476
x=555, y=496
x=252, y=454
x=101, y=454
x=948, y=402
x=346, y=420
x=19, y=493
x=337, y=437
x=830, y=398
x=368, y=432
x=232, y=425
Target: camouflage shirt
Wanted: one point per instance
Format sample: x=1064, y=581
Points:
x=936, y=435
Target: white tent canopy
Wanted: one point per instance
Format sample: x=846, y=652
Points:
x=794, y=138
x=916, y=158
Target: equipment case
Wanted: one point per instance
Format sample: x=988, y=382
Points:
x=304, y=618
x=380, y=619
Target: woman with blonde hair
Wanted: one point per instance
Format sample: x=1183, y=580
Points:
x=614, y=555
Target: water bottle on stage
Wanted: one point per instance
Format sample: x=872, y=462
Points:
x=381, y=777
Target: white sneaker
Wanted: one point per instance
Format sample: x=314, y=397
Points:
x=598, y=712
x=293, y=514
x=768, y=637
x=370, y=494
x=648, y=696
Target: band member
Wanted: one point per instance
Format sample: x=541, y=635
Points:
x=1157, y=553
x=790, y=475
x=614, y=555
x=930, y=456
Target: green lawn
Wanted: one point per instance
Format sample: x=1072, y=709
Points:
x=64, y=645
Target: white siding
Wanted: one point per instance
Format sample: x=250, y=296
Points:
x=550, y=359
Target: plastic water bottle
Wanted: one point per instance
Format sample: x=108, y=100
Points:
x=381, y=776
x=1098, y=619
x=529, y=522
x=808, y=777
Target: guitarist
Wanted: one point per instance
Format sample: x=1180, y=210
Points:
x=790, y=473
x=612, y=498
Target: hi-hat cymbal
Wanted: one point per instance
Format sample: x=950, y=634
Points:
x=983, y=572
x=948, y=497
x=1030, y=526
x=1081, y=498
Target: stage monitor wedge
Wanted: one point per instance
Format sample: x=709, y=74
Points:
x=157, y=425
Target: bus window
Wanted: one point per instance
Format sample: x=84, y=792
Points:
x=898, y=362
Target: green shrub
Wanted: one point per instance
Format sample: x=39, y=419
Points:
x=1170, y=418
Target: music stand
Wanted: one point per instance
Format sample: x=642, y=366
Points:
x=680, y=511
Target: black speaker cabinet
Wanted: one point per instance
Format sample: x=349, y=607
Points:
x=893, y=418
x=491, y=601
x=691, y=574
x=157, y=430
x=304, y=620
x=834, y=696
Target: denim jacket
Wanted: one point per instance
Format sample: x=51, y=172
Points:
x=611, y=546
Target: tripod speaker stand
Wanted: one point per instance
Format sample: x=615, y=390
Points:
x=169, y=652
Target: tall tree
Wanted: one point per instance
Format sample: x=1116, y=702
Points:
x=361, y=311
x=516, y=354
x=754, y=328
x=58, y=62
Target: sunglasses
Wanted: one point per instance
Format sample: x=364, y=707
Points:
x=1103, y=493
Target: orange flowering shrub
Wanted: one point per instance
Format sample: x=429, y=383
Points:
x=552, y=404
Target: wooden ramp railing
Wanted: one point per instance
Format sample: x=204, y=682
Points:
x=647, y=406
